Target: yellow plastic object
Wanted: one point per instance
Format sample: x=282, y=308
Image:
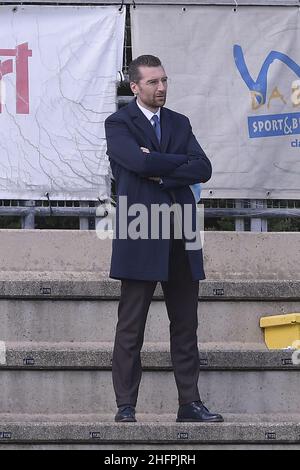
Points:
x=281, y=330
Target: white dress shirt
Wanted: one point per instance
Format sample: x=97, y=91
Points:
x=147, y=113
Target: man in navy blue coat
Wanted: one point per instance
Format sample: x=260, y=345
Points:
x=155, y=160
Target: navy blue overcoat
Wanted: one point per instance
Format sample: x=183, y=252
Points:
x=178, y=160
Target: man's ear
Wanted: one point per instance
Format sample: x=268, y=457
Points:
x=133, y=87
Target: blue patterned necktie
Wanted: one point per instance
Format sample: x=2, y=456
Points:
x=156, y=126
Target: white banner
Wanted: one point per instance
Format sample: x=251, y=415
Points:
x=58, y=72
x=236, y=74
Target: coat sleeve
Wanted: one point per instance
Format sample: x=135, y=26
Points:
x=124, y=150
x=197, y=169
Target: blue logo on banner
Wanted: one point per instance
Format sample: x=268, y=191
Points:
x=274, y=124
x=260, y=85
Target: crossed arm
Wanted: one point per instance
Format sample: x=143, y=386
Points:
x=176, y=170
x=197, y=169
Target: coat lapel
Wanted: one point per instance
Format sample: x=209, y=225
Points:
x=165, y=129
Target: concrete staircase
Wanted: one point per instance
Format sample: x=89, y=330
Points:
x=58, y=311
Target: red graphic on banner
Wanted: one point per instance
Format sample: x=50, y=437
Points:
x=21, y=53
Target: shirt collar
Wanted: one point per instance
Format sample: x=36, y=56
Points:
x=147, y=112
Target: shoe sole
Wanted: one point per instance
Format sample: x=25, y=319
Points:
x=199, y=420
x=126, y=420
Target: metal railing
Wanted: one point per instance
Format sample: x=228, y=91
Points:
x=88, y=212
x=250, y=215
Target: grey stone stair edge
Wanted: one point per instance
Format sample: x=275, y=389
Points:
x=146, y=447
x=90, y=285
x=155, y=356
x=149, y=429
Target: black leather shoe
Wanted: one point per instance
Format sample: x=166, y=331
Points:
x=125, y=414
x=196, y=411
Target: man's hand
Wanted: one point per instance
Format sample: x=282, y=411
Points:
x=144, y=149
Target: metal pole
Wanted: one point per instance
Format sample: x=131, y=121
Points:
x=259, y=224
x=27, y=221
x=84, y=221
x=239, y=221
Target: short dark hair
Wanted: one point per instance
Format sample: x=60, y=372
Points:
x=145, y=60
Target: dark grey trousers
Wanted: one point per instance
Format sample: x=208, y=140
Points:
x=181, y=297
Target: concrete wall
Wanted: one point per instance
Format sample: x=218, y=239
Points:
x=228, y=255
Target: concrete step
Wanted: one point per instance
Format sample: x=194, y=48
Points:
x=54, y=288
x=160, y=429
x=72, y=379
x=74, y=355
x=129, y=448
x=90, y=285
x=86, y=310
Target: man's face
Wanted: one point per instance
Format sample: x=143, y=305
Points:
x=151, y=90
